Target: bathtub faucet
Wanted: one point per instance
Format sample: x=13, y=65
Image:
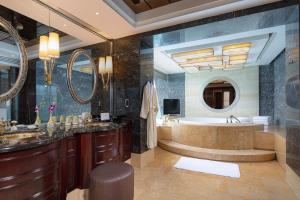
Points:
x=229, y=119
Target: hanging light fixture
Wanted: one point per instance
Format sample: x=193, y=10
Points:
x=53, y=45
x=48, y=52
x=43, y=49
x=105, y=68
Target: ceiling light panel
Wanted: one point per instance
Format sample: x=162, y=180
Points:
x=193, y=54
x=238, y=59
x=206, y=61
x=234, y=49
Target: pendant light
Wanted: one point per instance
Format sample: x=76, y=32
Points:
x=48, y=52
x=105, y=67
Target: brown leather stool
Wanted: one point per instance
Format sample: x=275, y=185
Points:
x=112, y=181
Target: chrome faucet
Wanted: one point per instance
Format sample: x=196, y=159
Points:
x=229, y=119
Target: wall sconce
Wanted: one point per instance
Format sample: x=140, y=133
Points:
x=105, y=68
x=48, y=52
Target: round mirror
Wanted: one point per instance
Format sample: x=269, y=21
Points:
x=220, y=94
x=81, y=76
x=13, y=61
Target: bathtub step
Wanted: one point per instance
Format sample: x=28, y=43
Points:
x=218, y=154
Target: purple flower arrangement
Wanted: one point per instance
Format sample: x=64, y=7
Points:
x=51, y=108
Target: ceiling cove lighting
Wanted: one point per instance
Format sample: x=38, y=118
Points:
x=236, y=49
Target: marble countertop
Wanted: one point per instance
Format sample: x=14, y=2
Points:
x=46, y=136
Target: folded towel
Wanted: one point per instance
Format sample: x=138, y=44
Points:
x=262, y=118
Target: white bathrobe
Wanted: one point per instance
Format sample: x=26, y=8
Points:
x=148, y=111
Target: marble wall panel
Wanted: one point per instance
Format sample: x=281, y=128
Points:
x=161, y=82
x=266, y=90
x=176, y=89
x=279, y=90
x=130, y=74
x=292, y=91
x=27, y=100
x=102, y=100
x=58, y=92
x=170, y=86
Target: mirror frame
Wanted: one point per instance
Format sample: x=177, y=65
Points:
x=70, y=64
x=23, y=69
x=235, y=86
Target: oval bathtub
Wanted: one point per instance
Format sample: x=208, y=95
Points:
x=211, y=138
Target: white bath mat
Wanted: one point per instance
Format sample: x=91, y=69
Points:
x=208, y=166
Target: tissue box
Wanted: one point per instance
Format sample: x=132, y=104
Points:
x=104, y=116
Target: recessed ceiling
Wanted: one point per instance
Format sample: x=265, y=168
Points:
x=266, y=44
x=226, y=56
x=178, y=12
x=114, y=19
x=139, y=6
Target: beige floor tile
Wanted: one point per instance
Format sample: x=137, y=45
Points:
x=157, y=179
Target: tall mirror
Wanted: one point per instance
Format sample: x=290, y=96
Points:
x=41, y=90
x=13, y=68
x=82, y=76
x=13, y=61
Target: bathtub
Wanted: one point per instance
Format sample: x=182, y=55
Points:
x=212, y=120
x=214, y=139
x=214, y=133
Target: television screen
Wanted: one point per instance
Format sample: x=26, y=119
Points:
x=171, y=107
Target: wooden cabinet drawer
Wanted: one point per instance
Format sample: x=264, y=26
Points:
x=106, y=147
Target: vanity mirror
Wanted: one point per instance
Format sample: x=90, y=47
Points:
x=82, y=65
x=13, y=61
x=220, y=94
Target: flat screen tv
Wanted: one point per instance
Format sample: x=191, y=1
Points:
x=171, y=107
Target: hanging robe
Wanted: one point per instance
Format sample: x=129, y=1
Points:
x=149, y=111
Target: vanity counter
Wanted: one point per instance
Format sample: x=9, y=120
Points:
x=48, y=136
x=47, y=164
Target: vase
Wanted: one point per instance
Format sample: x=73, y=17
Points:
x=51, y=122
x=38, y=121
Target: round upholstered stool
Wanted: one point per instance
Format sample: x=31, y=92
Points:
x=112, y=181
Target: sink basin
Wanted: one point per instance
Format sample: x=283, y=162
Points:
x=99, y=124
x=17, y=137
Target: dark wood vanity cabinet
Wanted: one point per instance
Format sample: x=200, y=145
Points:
x=126, y=141
x=106, y=147
x=53, y=170
x=31, y=174
x=69, y=165
x=102, y=147
x=96, y=149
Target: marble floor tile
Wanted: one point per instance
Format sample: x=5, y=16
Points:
x=157, y=179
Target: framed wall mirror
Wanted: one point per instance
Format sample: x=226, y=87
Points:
x=81, y=65
x=220, y=94
x=13, y=61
